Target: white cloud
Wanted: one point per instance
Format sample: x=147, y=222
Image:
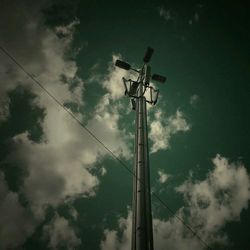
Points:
x=105, y=124
x=219, y=198
x=209, y=205
x=196, y=17
x=194, y=99
x=16, y=222
x=161, y=129
x=59, y=166
x=113, y=81
x=111, y=240
x=67, y=30
x=166, y=14
x=61, y=234
x=170, y=234
x=163, y=177
x=40, y=51
x=167, y=235
x=178, y=123
x=4, y=109
x=73, y=212
x=103, y=171
x=110, y=109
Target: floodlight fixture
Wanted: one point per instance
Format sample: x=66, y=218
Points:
x=140, y=93
x=122, y=65
x=159, y=78
x=148, y=54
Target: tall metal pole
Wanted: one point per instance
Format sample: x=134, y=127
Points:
x=142, y=232
x=142, y=235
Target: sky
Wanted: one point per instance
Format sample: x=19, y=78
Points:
x=59, y=188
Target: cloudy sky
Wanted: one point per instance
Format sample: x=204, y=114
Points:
x=59, y=188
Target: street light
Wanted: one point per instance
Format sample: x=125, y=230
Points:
x=159, y=78
x=142, y=231
x=148, y=55
x=122, y=65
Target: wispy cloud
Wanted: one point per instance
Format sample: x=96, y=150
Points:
x=111, y=239
x=163, y=177
x=166, y=14
x=194, y=18
x=17, y=223
x=171, y=15
x=60, y=234
x=194, y=99
x=209, y=205
x=163, y=128
x=59, y=167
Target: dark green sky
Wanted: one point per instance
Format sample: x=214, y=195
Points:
x=58, y=188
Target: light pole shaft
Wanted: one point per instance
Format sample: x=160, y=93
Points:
x=142, y=235
x=142, y=232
